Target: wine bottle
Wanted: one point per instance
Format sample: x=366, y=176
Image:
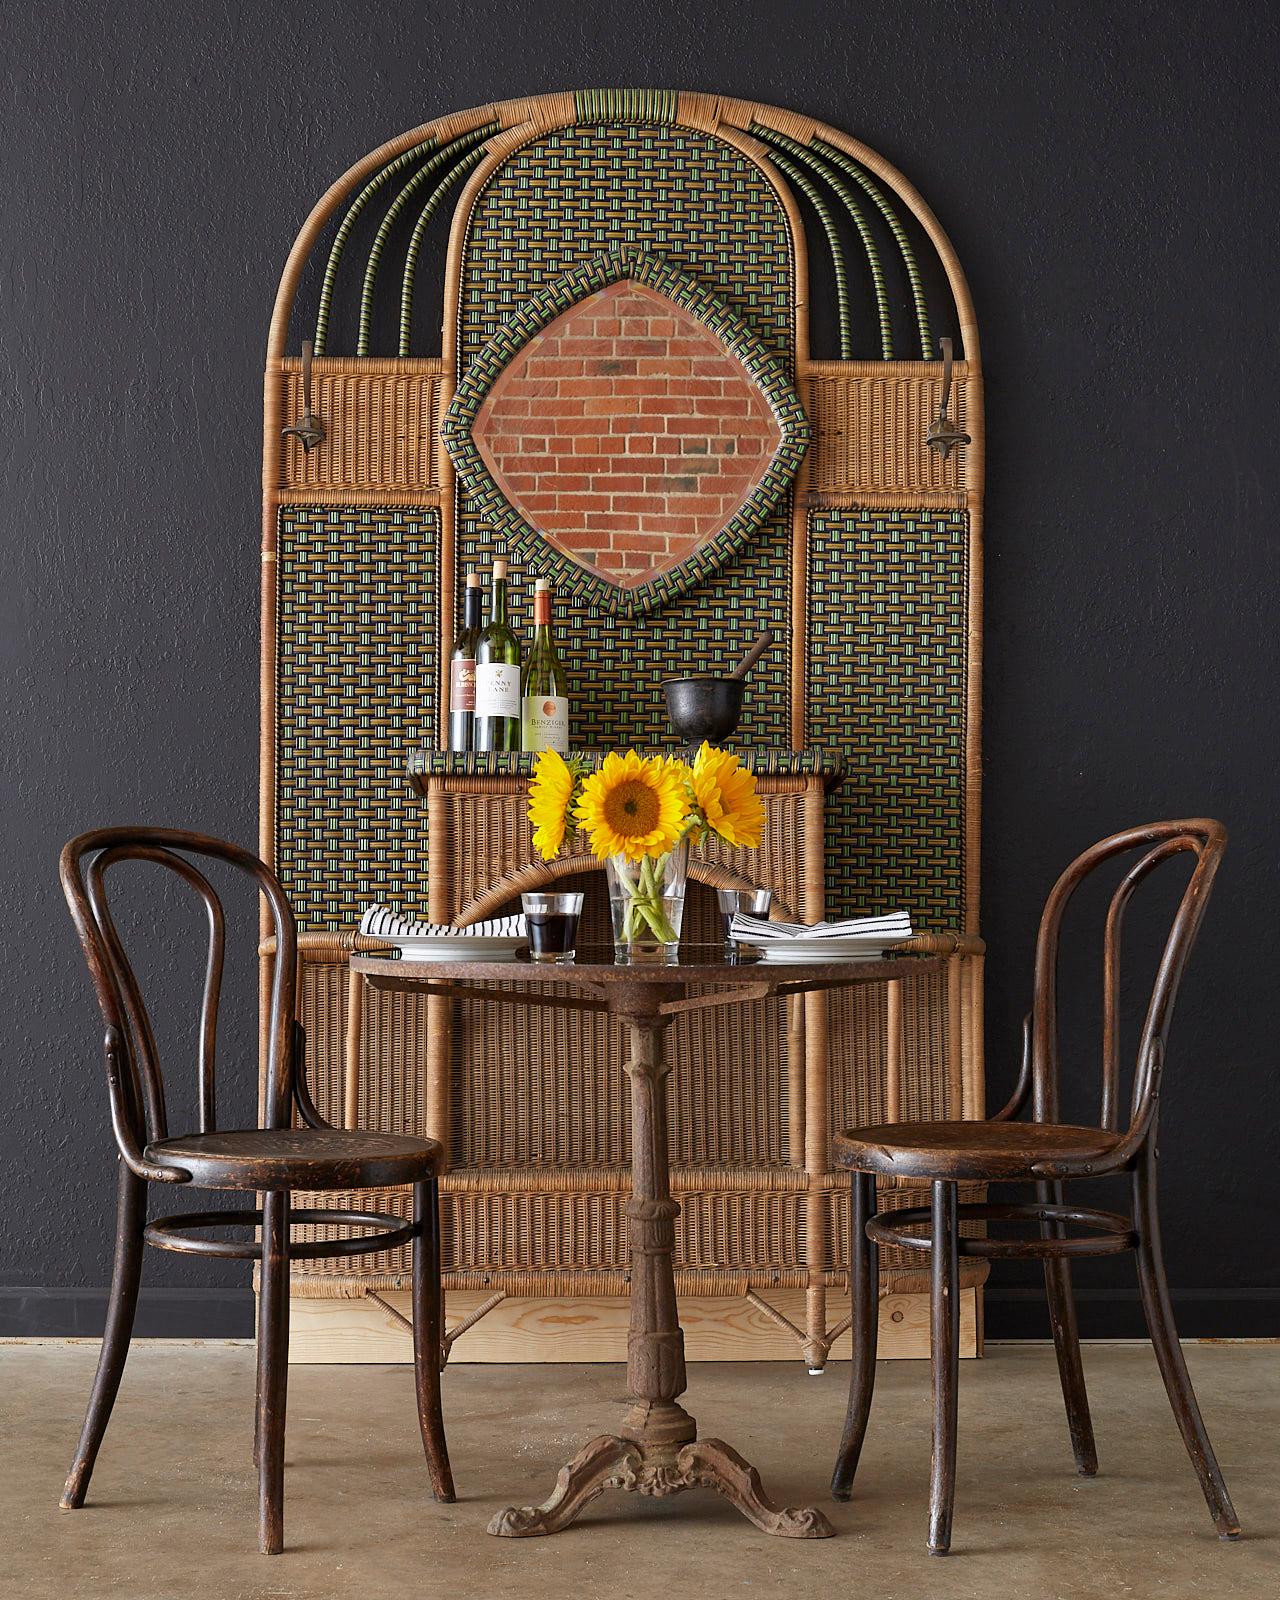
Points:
x=544, y=689
x=497, y=714
x=462, y=668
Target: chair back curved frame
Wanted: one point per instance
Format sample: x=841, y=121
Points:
x=135, y=1081
x=1204, y=838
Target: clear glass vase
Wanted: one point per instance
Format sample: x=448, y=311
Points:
x=647, y=901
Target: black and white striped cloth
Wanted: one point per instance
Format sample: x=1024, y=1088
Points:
x=381, y=922
x=874, y=932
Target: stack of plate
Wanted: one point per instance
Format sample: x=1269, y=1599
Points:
x=797, y=950
x=458, y=947
x=854, y=939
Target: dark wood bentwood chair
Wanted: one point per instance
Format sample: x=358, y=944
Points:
x=276, y=1159
x=1042, y=1151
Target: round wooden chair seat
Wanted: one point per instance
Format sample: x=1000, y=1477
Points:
x=299, y=1158
x=990, y=1151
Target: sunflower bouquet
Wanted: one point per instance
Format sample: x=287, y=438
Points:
x=640, y=814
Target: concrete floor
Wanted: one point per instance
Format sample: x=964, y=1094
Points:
x=171, y=1511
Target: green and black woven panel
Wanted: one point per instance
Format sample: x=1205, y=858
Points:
x=887, y=676
x=357, y=607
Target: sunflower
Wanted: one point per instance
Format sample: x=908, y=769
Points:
x=550, y=798
x=634, y=806
x=725, y=795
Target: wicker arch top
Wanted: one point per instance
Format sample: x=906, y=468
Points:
x=527, y=116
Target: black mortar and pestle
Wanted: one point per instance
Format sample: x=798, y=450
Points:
x=709, y=707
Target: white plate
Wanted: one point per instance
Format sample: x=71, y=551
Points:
x=446, y=948
x=819, y=950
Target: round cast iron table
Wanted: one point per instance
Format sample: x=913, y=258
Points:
x=656, y=1450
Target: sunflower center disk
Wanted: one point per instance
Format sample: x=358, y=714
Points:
x=632, y=809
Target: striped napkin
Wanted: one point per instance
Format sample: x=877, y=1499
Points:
x=874, y=932
x=381, y=922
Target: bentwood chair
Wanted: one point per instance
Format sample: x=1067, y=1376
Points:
x=275, y=1158
x=1043, y=1151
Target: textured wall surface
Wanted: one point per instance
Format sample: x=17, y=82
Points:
x=1107, y=176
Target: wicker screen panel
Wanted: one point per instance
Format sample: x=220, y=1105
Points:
x=546, y=1089
x=493, y=1235
x=322, y=1010
x=380, y=420
x=356, y=616
x=870, y=423
x=701, y=205
x=863, y=570
x=888, y=607
x=685, y=195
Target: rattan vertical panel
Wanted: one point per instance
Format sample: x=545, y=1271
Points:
x=357, y=598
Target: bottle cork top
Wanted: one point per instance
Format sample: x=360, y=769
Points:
x=500, y=568
x=473, y=580
x=542, y=586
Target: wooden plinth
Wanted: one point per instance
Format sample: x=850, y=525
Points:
x=716, y=1328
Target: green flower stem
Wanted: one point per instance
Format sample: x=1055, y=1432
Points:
x=645, y=905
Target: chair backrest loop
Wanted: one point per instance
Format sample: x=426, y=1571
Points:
x=134, y=1073
x=1206, y=840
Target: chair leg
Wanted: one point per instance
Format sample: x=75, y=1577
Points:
x=864, y=1289
x=1164, y=1338
x=131, y=1217
x=944, y=1340
x=428, y=1335
x=1066, y=1341
x=273, y=1369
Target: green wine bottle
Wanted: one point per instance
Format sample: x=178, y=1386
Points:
x=497, y=714
x=544, y=689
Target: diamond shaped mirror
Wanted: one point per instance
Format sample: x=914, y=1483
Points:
x=628, y=427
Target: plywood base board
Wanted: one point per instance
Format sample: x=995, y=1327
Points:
x=715, y=1329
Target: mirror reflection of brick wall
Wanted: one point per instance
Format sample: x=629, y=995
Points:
x=627, y=432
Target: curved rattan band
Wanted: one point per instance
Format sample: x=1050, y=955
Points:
x=453, y=158
x=171, y=1233
x=1117, y=1235
x=465, y=164
x=383, y=175
x=822, y=210
x=856, y=215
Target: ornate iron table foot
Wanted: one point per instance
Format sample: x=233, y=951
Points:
x=612, y=1463
x=712, y=1464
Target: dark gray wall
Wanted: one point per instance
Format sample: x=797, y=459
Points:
x=1108, y=177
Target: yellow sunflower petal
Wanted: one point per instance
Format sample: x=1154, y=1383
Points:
x=550, y=794
x=725, y=793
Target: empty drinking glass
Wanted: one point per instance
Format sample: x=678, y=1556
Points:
x=552, y=921
x=750, y=902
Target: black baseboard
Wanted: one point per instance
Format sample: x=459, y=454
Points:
x=1017, y=1313
x=1010, y=1314
x=162, y=1313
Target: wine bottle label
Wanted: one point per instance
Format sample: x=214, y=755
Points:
x=544, y=723
x=497, y=689
x=462, y=685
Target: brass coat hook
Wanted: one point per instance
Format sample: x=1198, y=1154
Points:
x=944, y=435
x=308, y=430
